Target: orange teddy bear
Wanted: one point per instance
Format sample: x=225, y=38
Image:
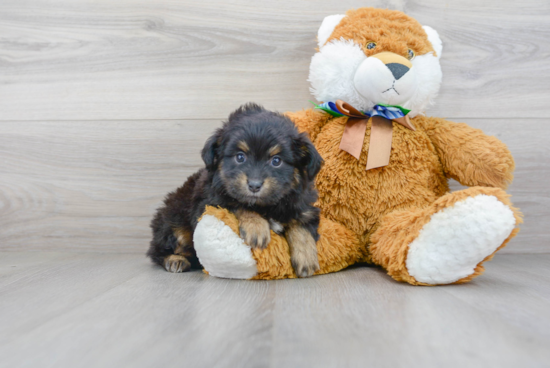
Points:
x=383, y=189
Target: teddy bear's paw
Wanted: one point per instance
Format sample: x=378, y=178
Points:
x=458, y=238
x=221, y=251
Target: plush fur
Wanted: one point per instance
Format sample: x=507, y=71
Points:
x=227, y=256
x=475, y=227
x=261, y=169
x=402, y=216
x=337, y=249
x=343, y=68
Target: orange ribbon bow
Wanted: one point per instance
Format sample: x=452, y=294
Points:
x=380, y=135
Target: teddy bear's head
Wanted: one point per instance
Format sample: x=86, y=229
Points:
x=373, y=56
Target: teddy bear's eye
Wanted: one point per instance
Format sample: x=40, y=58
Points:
x=370, y=45
x=410, y=54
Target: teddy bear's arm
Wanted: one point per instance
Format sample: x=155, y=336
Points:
x=310, y=121
x=468, y=155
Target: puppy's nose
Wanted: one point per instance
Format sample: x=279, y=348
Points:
x=255, y=185
x=398, y=70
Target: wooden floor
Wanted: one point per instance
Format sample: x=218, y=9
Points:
x=117, y=310
x=104, y=108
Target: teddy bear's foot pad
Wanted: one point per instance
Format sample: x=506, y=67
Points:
x=458, y=238
x=222, y=252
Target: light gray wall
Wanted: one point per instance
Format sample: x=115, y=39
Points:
x=104, y=105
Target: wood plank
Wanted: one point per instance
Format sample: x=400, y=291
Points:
x=118, y=310
x=109, y=310
x=360, y=315
x=138, y=59
x=512, y=294
x=94, y=186
x=82, y=186
x=41, y=296
x=16, y=266
x=538, y=266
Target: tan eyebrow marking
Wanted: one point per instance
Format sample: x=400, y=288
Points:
x=243, y=146
x=274, y=150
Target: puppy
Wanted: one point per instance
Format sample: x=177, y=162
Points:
x=260, y=168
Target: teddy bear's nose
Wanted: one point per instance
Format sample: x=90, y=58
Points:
x=398, y=70
x=397, y=64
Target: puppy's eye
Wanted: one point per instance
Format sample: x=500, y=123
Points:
x=370, y=45
x=240, y=157
x=276, y=161
x=410, y=54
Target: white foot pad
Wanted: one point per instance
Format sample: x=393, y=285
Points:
x=222, y=252
x=457, y=238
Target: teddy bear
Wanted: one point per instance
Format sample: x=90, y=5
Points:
x=383, y=188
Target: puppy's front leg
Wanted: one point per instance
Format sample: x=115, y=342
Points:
x=276, y=226
x=303, y=250
x=254, y=229
x=179, y=261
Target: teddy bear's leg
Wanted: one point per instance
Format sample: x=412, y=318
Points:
x=220, y=249
x=448, y=241
x=223, y=253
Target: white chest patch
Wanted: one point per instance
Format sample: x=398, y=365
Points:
x=222, y=252
x=457, y=238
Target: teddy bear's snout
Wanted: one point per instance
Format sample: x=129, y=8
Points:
x=386, y=78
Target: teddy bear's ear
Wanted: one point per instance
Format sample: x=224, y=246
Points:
x=434, y=39
x=328, y=25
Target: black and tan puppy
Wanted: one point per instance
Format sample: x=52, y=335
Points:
x=259, y=167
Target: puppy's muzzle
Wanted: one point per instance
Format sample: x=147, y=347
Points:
x=255, y=185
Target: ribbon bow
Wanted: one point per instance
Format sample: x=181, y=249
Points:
x=380, y=134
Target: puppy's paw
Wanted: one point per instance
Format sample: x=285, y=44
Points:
x=254, y=229
x=276, y=226
x=256, y=235
x=303, y=251
x=175, y=263
x=305, y=265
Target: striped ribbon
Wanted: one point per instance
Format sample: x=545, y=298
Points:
x=381, y=129
x=389, y=112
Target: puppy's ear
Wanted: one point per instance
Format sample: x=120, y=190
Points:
x=307, y=154
x=210, y=150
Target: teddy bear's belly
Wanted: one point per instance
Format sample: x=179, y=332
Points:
x=358, y=198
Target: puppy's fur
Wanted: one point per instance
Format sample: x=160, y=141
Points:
x=259, y=167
